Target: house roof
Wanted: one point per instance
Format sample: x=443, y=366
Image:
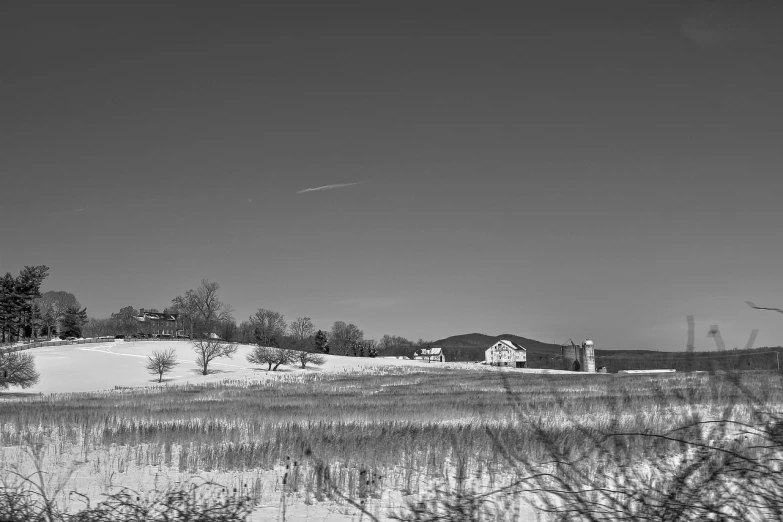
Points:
x=510, y=344
x=157, y=316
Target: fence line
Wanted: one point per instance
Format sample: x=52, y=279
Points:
x=43, y=344
x=154, y=339
x=7, y=348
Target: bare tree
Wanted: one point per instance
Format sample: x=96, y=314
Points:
x=282, y=356
x=386, y=342
x=228, y=330
x=162, y=362
x=210, y=349
x=303, y=358
x=17, y=369
x=271, y=356
x=345, y=336
x=302, y=330
x=392, y=341
x=269, y=327
x=261, y=355
x=302, y=336
x=97, y=327
x=52, y=306
x=202, y=308
x=185, y=306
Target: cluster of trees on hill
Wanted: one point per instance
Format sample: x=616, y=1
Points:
x=202, y=314
x=210, y=324
x=26, y=313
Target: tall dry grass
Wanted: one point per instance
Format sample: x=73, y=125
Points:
x=399, y=426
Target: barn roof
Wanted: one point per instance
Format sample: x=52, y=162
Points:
x=511, y=344
x=431, y=351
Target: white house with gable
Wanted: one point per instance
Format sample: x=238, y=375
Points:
x=430, y=355
x=506, y=353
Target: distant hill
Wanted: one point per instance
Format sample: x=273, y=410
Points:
x=477, y=340
x=471, y=347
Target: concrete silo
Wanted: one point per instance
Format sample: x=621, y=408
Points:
x=587, y=356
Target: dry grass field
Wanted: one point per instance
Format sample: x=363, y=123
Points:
x=327, y=445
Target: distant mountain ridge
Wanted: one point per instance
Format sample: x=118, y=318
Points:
x=477, y=340
x=471, y=347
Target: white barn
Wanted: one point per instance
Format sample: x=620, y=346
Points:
x=506, y=353
x=430, y=355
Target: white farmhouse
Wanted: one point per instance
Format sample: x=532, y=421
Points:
x=506, y=353
x=430, y=355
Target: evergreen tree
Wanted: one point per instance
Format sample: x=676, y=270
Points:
x=29, y=289
x=17, y=301
x=7, y=306
x=321, y=342
x=72, y=321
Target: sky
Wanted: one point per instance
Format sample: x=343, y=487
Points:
x=549, y=169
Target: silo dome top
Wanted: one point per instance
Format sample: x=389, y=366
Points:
x=588, y=342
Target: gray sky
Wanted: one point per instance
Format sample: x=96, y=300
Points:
x=571, y=169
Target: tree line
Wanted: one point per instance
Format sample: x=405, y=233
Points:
x=26, y=313
x=202, y=314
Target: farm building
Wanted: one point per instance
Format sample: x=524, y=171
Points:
x=506, y=353
x=430, y=355
x=578, y=358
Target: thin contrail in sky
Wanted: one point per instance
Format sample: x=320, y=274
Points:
x=330, y=187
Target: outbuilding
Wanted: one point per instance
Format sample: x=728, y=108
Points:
x=430, y=355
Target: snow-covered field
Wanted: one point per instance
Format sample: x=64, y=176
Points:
x=106, y=471
x=102, y=470
x=104, y=366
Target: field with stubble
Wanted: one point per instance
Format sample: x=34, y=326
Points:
x=325, y=446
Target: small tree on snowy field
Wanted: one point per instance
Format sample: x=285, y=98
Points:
x=321, y=342
x=17, y=369
x=282, y=356
x=271, y=356
x=210, y=349
x=162, y=362
x=309, y=357
x=261, y=355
